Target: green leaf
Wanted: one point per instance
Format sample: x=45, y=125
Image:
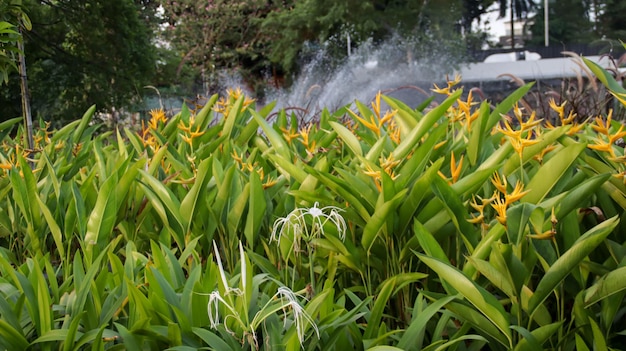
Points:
x=423, y=126
x=418, y=324
x=486, y=303
x=10, y=338
x=477, y=133
x=551, y=172
x=478, y=321
x=189, y=205
x=540, y=336
x=279, y=144
x=610, y=284
x=570, y=260
x=212, y=340
x=170, y=202
x=517, y=218
x=380, y=303
x=498, y=279
x=458, y=212
x=103, y=216
x=84, y=122
x=376, y=223
x=348, y=138
x=256, y=209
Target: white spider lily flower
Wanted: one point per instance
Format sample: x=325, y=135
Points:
x=299, y=314
x=244, y=274
x=218, y=258
x=295, y=222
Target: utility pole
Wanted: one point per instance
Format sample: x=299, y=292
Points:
x=546, y=21
x=512, y=25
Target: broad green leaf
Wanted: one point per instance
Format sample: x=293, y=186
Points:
x=256, y=209
x=168, y=199
x=10, y=338
x=416, y=194
x=541, y=335
x=570, y=260
x=380, y=303
x=517, y=219
x=189, y=205
x=348, y=138
x=287, y=168
x=233, y=115
x=605, y=77
x=477, y=134
x=551, y=172
x=608, y=285
x=486, y=303
x=379, y=218
x=384, y=348
x=458, y=212
x=479, y=322
x=84, y=122
x=423, y=126
x=495, y=276
x=278, y=143
x=418, y=324
x=212, y=340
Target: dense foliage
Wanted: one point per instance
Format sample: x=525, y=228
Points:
x=82, y=53
x=456, y=225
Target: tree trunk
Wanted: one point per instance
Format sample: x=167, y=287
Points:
x=28, y=119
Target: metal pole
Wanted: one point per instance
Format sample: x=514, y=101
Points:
x=546, y=27
x=512, y=26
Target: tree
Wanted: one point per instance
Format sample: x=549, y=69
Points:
x=569, y=23
x=82, y=53
x=222, y=34
x=611, y=24
x=12, y=15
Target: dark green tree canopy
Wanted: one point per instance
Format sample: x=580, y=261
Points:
x=81, y=53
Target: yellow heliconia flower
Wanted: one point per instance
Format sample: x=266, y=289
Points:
x=480, y=208
x=576, y=127
x=374, y=174
x=394, y=132
x=289, y=135
x=304, y=134
x=443, y=91
x=559, y=109
x=549, y=234
x=447, y=90
x=500, y=206
x=371, y=124
x=375, y=122
x=613, y=138
x=388, y=163
x=376, y=104
x=530, y=122
x=189, y=133
x=539, y=157
x=509, y=131
x=499, y=183
x=517, y=193
x=156, y=116
x=236, y=157
x=455, y=168
x=601, y=145
x=602, y=126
